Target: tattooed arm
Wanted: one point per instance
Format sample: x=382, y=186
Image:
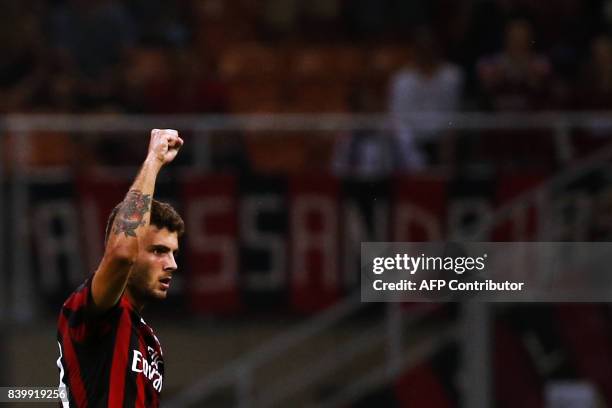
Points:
x=131, y=220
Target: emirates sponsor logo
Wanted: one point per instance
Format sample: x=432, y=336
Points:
x=149, y=368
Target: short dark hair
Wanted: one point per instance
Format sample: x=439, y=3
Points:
x=163, y=215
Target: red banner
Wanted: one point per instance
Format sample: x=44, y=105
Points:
x=275, y=243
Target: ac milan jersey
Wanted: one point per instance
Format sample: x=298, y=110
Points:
x=108, y=360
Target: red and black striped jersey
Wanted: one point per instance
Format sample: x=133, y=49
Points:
x=107, y=360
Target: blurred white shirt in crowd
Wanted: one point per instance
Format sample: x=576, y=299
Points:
x=412, y=92
x=368, y=154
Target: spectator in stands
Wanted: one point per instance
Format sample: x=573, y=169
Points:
x=90, y=38
x=429, y=85
x=517, y=78
x=373, y=153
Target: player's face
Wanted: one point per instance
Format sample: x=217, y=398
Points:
x=152, y=273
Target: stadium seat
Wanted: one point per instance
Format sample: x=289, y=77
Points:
x=251, y=61
x=330, y=63
x=252, y=96
x=321, y=96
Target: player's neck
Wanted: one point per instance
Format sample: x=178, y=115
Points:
x=136, y=303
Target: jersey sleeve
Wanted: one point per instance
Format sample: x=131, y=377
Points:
x=83, y=323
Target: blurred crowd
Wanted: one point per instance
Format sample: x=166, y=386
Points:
x=244, y=56
x=185, y=56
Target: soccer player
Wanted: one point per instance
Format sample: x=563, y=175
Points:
x=109, y=356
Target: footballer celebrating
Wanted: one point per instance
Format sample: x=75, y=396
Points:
x=109, y=356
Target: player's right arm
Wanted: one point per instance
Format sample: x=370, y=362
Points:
x=110, y=279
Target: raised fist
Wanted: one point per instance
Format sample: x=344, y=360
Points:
x=164, y=145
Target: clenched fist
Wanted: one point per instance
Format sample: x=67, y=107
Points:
x=164, y=145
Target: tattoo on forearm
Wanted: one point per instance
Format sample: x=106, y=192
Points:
x=132, y=212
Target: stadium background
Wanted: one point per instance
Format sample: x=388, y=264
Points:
x=312, y=126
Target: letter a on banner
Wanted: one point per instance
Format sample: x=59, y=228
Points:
x=315, y=276
x=212, y=228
